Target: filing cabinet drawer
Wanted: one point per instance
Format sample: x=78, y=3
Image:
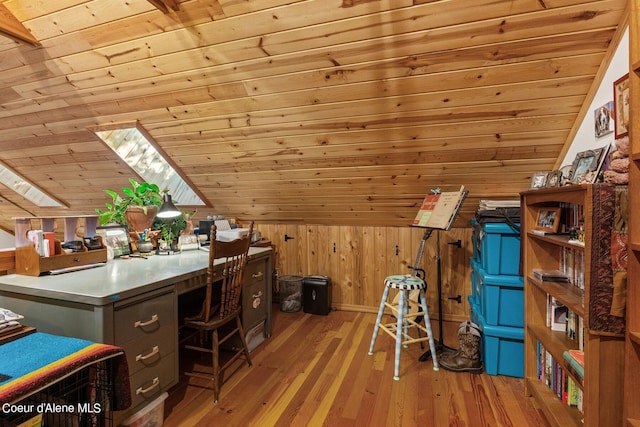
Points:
x=254, y=294
x=254, y=304
x=149, y=383
x=146, y=317
x=148, y=352
x=255, y=273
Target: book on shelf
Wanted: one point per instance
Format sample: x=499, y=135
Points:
x=439, y=210
x=556, y=314
x=550, y=275
x=575, y=360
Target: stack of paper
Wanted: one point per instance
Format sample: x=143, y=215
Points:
x=9, y=321
x=495, y=204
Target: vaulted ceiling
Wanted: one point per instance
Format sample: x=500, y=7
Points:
x=308, y=111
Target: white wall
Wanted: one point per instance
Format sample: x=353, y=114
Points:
x=585, y=137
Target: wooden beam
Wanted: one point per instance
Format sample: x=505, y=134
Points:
x=164, y=5
x=173, y=4
x=10, y=26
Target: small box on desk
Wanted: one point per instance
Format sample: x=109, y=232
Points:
x=316, y=291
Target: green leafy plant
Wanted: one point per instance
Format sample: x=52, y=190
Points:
x=142, y=194
x=170, y=228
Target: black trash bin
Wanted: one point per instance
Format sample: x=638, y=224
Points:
x=316, y=291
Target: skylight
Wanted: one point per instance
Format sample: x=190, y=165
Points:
x=15, y=182
x=135, y=148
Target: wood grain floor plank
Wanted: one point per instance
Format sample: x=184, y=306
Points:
x=315, y=371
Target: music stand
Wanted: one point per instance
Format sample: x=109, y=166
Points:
x=440, y=345
x=416, y=270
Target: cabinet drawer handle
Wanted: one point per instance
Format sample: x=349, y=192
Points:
x=257, y=275
x=258, y=295
x=153, y=352
x=154, y=384
x=139, y=323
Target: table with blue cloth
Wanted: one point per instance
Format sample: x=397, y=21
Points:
x=62, y=376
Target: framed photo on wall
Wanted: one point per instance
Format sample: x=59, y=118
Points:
x=603, y=119
x=548, y=220
x=117, y=238
x=621, y=106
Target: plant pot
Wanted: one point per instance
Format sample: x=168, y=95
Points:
x=144, y=246
x=138, y=220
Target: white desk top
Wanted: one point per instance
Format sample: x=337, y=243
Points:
x=117, y=279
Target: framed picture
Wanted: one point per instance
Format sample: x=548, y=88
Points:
x=548, y=220
x=554, y=178
x=621, y=106
x=538, y=180
x=565, y=175
x=585, y=163
x=603, y=119
x=117, y=238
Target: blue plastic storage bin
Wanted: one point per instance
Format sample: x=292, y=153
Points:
x=501, y=299
x=500, y=248
x=475, y=281
x=502, y=348
x=475, y=240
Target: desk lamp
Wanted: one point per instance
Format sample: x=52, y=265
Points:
x=168, y=209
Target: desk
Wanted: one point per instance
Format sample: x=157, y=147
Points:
x=131, y=303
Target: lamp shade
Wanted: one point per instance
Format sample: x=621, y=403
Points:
x=168, y=209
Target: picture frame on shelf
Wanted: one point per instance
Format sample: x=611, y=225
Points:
x=554, y=179
x=548, y=220
x=538, y=180
x=584, y=163
x=117, y=238
x=621, y=106
x=565, y=178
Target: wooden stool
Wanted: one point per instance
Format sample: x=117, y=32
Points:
x=405, y=320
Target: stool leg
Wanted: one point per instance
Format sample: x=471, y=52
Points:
x=427, y=324
x=399, y=328
x=385, y=294
x=405, y=324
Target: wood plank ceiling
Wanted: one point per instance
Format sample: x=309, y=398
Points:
x=308, y=111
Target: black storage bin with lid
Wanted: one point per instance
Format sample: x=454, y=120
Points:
x=316, y=294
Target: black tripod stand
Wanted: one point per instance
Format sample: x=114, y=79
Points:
x=440, y=346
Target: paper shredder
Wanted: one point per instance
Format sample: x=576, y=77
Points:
x=316, y=292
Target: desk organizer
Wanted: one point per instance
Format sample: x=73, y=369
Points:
x=30, y=263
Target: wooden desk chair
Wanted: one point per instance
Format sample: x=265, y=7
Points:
x=221, y=307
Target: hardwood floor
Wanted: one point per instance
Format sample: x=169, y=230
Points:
x=315, y=371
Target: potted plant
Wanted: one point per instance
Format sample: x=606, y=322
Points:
x=136, y=208
x=170, y=230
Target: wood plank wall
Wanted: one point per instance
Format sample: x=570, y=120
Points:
x=358, y=258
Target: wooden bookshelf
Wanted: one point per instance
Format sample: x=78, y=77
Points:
x=632, y=348
x=604, y=355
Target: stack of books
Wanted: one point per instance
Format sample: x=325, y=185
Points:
x=550, y=275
